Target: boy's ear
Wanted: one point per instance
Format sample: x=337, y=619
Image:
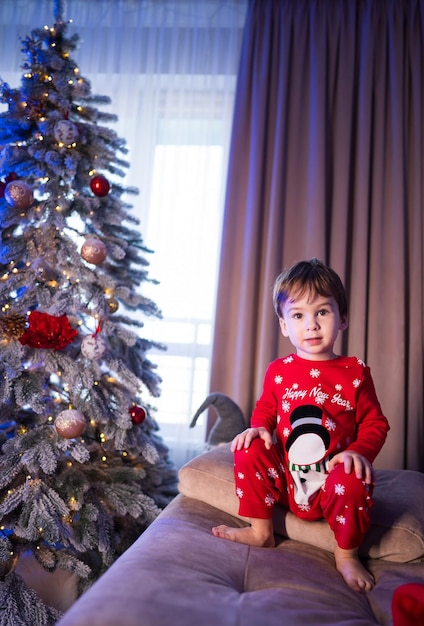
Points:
x=283, y=326
x=344, y=322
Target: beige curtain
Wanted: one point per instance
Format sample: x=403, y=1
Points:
x=327, y=160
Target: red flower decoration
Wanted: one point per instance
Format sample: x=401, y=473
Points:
x=48, y=331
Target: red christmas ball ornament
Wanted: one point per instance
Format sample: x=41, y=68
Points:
x=10, y=177
x=93, y=251
x=70, y=423
x=138, y=414
x=99, y=185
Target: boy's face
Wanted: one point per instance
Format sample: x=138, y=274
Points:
x=312, y=323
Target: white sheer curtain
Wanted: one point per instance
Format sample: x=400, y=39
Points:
x=169, y=67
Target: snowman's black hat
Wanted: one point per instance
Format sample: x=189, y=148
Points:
x=307, y=419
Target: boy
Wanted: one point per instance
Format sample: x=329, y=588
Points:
x=327, y=421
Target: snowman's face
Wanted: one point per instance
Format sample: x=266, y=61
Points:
x=309, y=448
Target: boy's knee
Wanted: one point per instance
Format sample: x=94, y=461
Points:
x=338, y=480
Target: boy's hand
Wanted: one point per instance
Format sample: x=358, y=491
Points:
x=354, y=461
x=243, y=440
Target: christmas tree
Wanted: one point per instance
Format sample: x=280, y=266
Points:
x=83, y=469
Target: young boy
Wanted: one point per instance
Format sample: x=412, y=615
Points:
x=328, y=426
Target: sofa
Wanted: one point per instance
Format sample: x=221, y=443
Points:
x=177, y=573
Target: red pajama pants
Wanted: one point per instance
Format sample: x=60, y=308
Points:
x=344, y=501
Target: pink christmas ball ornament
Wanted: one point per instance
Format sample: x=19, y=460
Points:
x=18, y=194
x=93, y=251
x=93, y=347
x=70, y=423
x=66, y=132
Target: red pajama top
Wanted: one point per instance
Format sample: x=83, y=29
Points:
x=320, y=408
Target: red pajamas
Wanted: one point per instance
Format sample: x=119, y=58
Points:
x=344, y=500
x=316, y=409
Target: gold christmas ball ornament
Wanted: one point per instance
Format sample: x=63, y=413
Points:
x=70, y=423
x=93, y=251
x=12, y=326
x=113, y=305
x=18, y=194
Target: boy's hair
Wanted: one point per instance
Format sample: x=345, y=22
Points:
x=304, y=276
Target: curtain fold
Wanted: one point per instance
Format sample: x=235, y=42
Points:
x=326, y=160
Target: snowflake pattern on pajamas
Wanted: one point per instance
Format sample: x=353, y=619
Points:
x=330, y=424
x=269, y=500
x=239, y=492
x=304, y=507
x=339, y=489
x=272, y=472
x=341, y=519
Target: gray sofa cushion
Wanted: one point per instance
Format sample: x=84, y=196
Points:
x=396, y=533
x=177, y=574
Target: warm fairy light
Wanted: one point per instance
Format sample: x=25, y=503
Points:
x=102, y=437
x=70, y=81
x=104, y=459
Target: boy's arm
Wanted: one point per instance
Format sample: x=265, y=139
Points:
x=265, y=412
x=372, y=425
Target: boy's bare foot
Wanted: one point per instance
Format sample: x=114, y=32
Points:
x=356, y=576
x=259, y=534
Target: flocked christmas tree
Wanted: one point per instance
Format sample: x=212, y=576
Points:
x=83, y=469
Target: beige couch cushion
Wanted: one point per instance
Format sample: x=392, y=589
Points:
x=396, y=533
